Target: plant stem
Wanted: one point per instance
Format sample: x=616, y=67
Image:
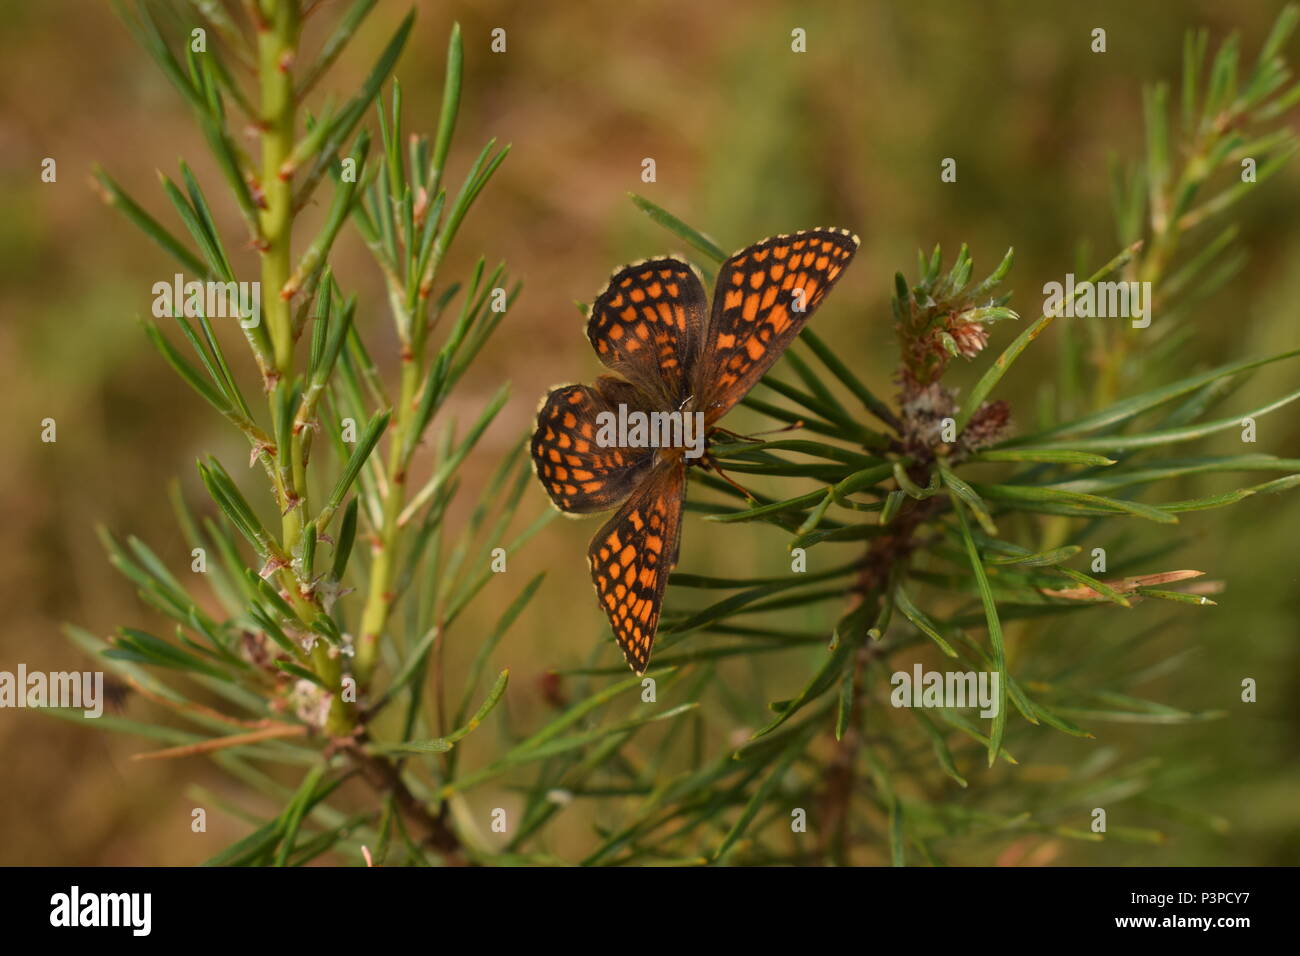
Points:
x=1168, y=223
x=277, y=42
x=386, y=778
x=277, y=45
x=379, y=598
x=883, y=557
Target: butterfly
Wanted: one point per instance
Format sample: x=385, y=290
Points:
x=671, y=355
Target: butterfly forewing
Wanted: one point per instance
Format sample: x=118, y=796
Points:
x=764, y=295
x=578, y=473
x=648, y=325
x=632, y=555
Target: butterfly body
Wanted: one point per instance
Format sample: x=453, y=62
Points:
x=671, y=357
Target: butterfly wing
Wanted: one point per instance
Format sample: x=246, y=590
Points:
x=580, y=474
x=632, y=556
x=648, y=325
x=765, y=294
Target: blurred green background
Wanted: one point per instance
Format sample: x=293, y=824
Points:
x=749, y=139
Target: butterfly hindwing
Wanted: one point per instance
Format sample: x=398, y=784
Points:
x=764, y=295
x=648, y=325
x=632, y=556
x=578, y=473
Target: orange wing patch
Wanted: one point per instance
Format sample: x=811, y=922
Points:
x=764, y=296
x=632, y=556
x=578, y=473
x=648, y=324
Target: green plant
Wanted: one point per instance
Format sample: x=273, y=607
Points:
x=952, y=524
x=959, y=526
x=276, y=676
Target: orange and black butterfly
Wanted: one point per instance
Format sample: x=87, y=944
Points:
x=653, y=328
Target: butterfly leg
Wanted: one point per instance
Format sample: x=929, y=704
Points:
x=793, y=426
x=711, y=464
